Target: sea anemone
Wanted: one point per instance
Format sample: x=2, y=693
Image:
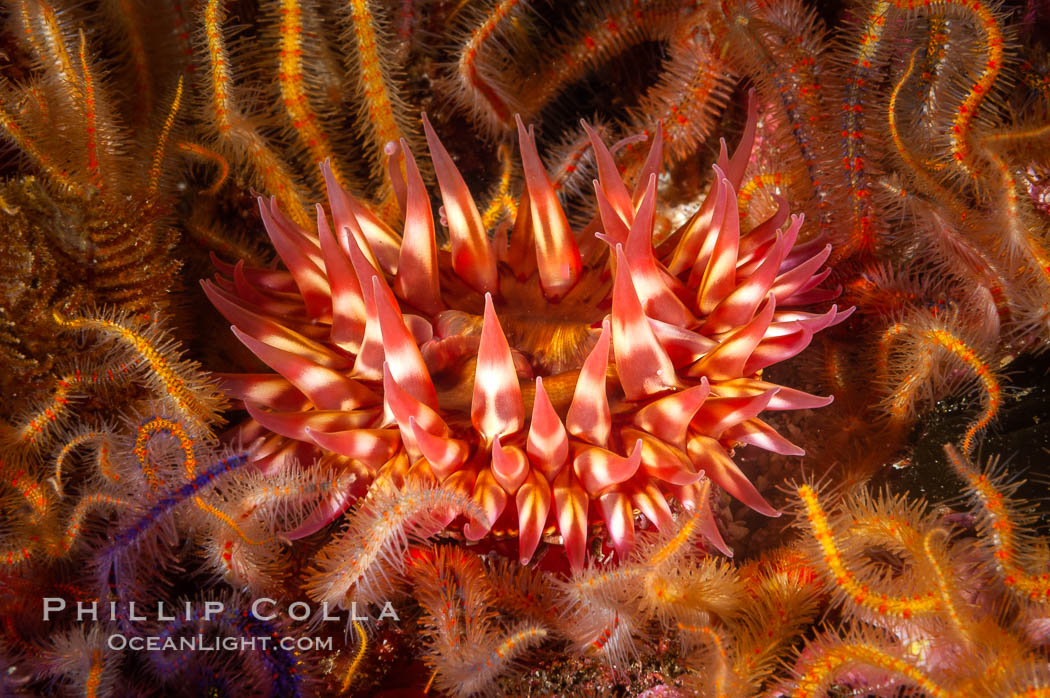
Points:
x=559, y=378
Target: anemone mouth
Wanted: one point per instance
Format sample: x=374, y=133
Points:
x=547, y=339
x=553, y=334
x=544, y=344
x=557, y=339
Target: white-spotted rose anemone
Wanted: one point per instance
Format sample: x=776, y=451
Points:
x=561, y=379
